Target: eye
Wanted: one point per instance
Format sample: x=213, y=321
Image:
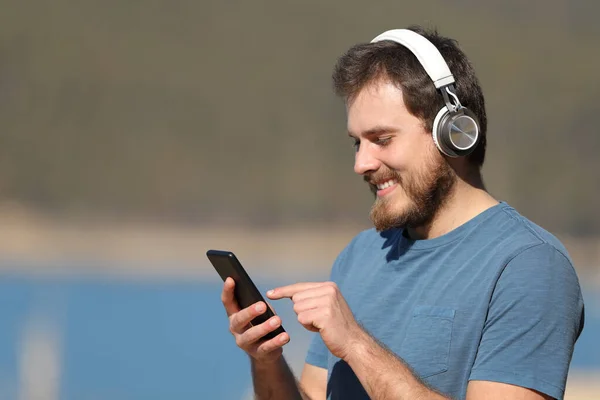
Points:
x=356, y=144
x=383, y=141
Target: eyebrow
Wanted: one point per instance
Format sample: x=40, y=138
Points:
x=376, y=130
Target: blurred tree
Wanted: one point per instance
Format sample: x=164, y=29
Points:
x=200, y=112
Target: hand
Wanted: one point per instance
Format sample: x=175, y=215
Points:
x=322, y=308
x=248, y=337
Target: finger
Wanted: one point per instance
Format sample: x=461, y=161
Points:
x=228, y=297
x=255, y=333
x=310, y=320
x=290, y=290
x=240, y=320
x=273, y=344
x=308, y=304
x=319, y=291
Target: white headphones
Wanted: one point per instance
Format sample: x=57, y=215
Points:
x=455, y=128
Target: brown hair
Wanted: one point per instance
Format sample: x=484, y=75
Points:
x=367, y=62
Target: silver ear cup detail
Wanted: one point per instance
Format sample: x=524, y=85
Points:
x=462, y=132
x=455, y=134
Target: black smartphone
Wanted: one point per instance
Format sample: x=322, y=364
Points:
x=246, y=293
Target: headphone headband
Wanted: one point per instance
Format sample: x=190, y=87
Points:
x=455, y=129
x=427, y=54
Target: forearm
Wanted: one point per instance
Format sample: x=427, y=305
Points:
x=385, y=376
x=275, y=380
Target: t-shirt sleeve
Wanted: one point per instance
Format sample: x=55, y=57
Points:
x=535, y=316
x=317, y=352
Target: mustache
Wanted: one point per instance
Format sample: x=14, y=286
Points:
x=381, y=177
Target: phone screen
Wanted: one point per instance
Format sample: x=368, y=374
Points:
x=246, y=293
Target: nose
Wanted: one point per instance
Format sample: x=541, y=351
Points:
x=364, y=161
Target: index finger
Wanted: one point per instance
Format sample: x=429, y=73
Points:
x=290, y=290
x=228, y=298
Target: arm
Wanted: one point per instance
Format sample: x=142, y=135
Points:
x=314, y=382
x=535, y=316
x=271, y=375
x=276, y=381
x=385, y=376
x=486, y=390
x=321, y=308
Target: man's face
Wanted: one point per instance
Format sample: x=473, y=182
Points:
x=397, y=157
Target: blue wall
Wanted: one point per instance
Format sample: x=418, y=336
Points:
x=128, y=339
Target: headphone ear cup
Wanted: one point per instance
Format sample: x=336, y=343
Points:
x=455, y=134
x=436, y=129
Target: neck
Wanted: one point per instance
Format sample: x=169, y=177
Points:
x=468, y=199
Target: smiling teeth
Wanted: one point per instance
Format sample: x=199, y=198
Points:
x=386, y=184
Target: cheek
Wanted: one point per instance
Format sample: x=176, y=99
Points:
x=409, y=154
x=399, y=159
x=423, y=157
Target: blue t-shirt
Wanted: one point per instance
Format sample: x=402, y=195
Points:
x=496, y=299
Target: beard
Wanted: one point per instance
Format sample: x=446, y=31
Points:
x=427, y=192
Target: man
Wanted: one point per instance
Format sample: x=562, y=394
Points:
x=453, y=294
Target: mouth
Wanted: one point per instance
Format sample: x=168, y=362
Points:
x=385, y=187
x=386, y=184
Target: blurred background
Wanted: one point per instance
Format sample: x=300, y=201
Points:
x=136, y=135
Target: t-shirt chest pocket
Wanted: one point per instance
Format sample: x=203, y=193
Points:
x=426, y=346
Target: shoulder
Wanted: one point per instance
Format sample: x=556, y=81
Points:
x=532, y=234
x=544, y=268
x=510, y=234
x=539, y=274
x=530, y=250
